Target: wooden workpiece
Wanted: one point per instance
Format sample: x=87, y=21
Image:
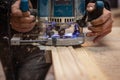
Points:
x=92, y=61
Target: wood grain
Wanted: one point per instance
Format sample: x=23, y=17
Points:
x=65, y=65
x=93, y=61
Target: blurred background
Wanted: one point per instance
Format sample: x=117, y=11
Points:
x=115, y=5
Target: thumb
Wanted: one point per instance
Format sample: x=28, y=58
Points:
x=90, y=7
x=26, y=14
x=15, y=8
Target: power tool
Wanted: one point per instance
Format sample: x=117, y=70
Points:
x=61, y=22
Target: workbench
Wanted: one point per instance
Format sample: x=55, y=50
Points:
x=92, y=61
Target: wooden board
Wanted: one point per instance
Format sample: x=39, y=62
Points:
x=66, y=67
x=71, y=64
x=94, y=61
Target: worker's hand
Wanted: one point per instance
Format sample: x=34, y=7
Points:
x=100, y=26
x=21, y=22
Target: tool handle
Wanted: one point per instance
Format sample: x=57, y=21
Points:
x=24, y=5
x=97, y=12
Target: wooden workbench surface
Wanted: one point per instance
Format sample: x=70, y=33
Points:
x=93, y=61
x=107, y=54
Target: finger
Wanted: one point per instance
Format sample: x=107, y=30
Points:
x=26, y=26
x=26, y=14
x=90, y=34
x=21, y=20
x=29, y=19
x=101, y=28
x=104, y=33
x=23, y=28
x=108, y=24
x=95, y=29
x=101, y=36
x=90, y=7
x=15, y=9
x=102, y=19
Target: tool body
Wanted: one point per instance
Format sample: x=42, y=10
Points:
x=24, y=5
x=62, y=22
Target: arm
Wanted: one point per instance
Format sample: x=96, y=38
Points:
x=102, y=25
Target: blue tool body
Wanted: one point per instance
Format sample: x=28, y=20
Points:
x=24, y=5
x=60, y=8
x=58, y=16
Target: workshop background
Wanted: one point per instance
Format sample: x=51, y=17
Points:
x=115, y=4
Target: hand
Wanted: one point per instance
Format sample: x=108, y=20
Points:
x=21, y=22
x=100, y=26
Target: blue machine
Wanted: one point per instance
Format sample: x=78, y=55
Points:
x=57, y=16
x=63, y=8
x=24, y=5
x=60, y=8
x=60, y=15
x=43, y=8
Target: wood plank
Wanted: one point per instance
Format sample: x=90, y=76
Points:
x=59, y=74
x=94, y=72
x=65, y=66
x=96, y=61
x=79, y=63
x=70, y=64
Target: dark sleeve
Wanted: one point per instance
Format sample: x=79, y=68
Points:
x=4, y=15
x=106, y=2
